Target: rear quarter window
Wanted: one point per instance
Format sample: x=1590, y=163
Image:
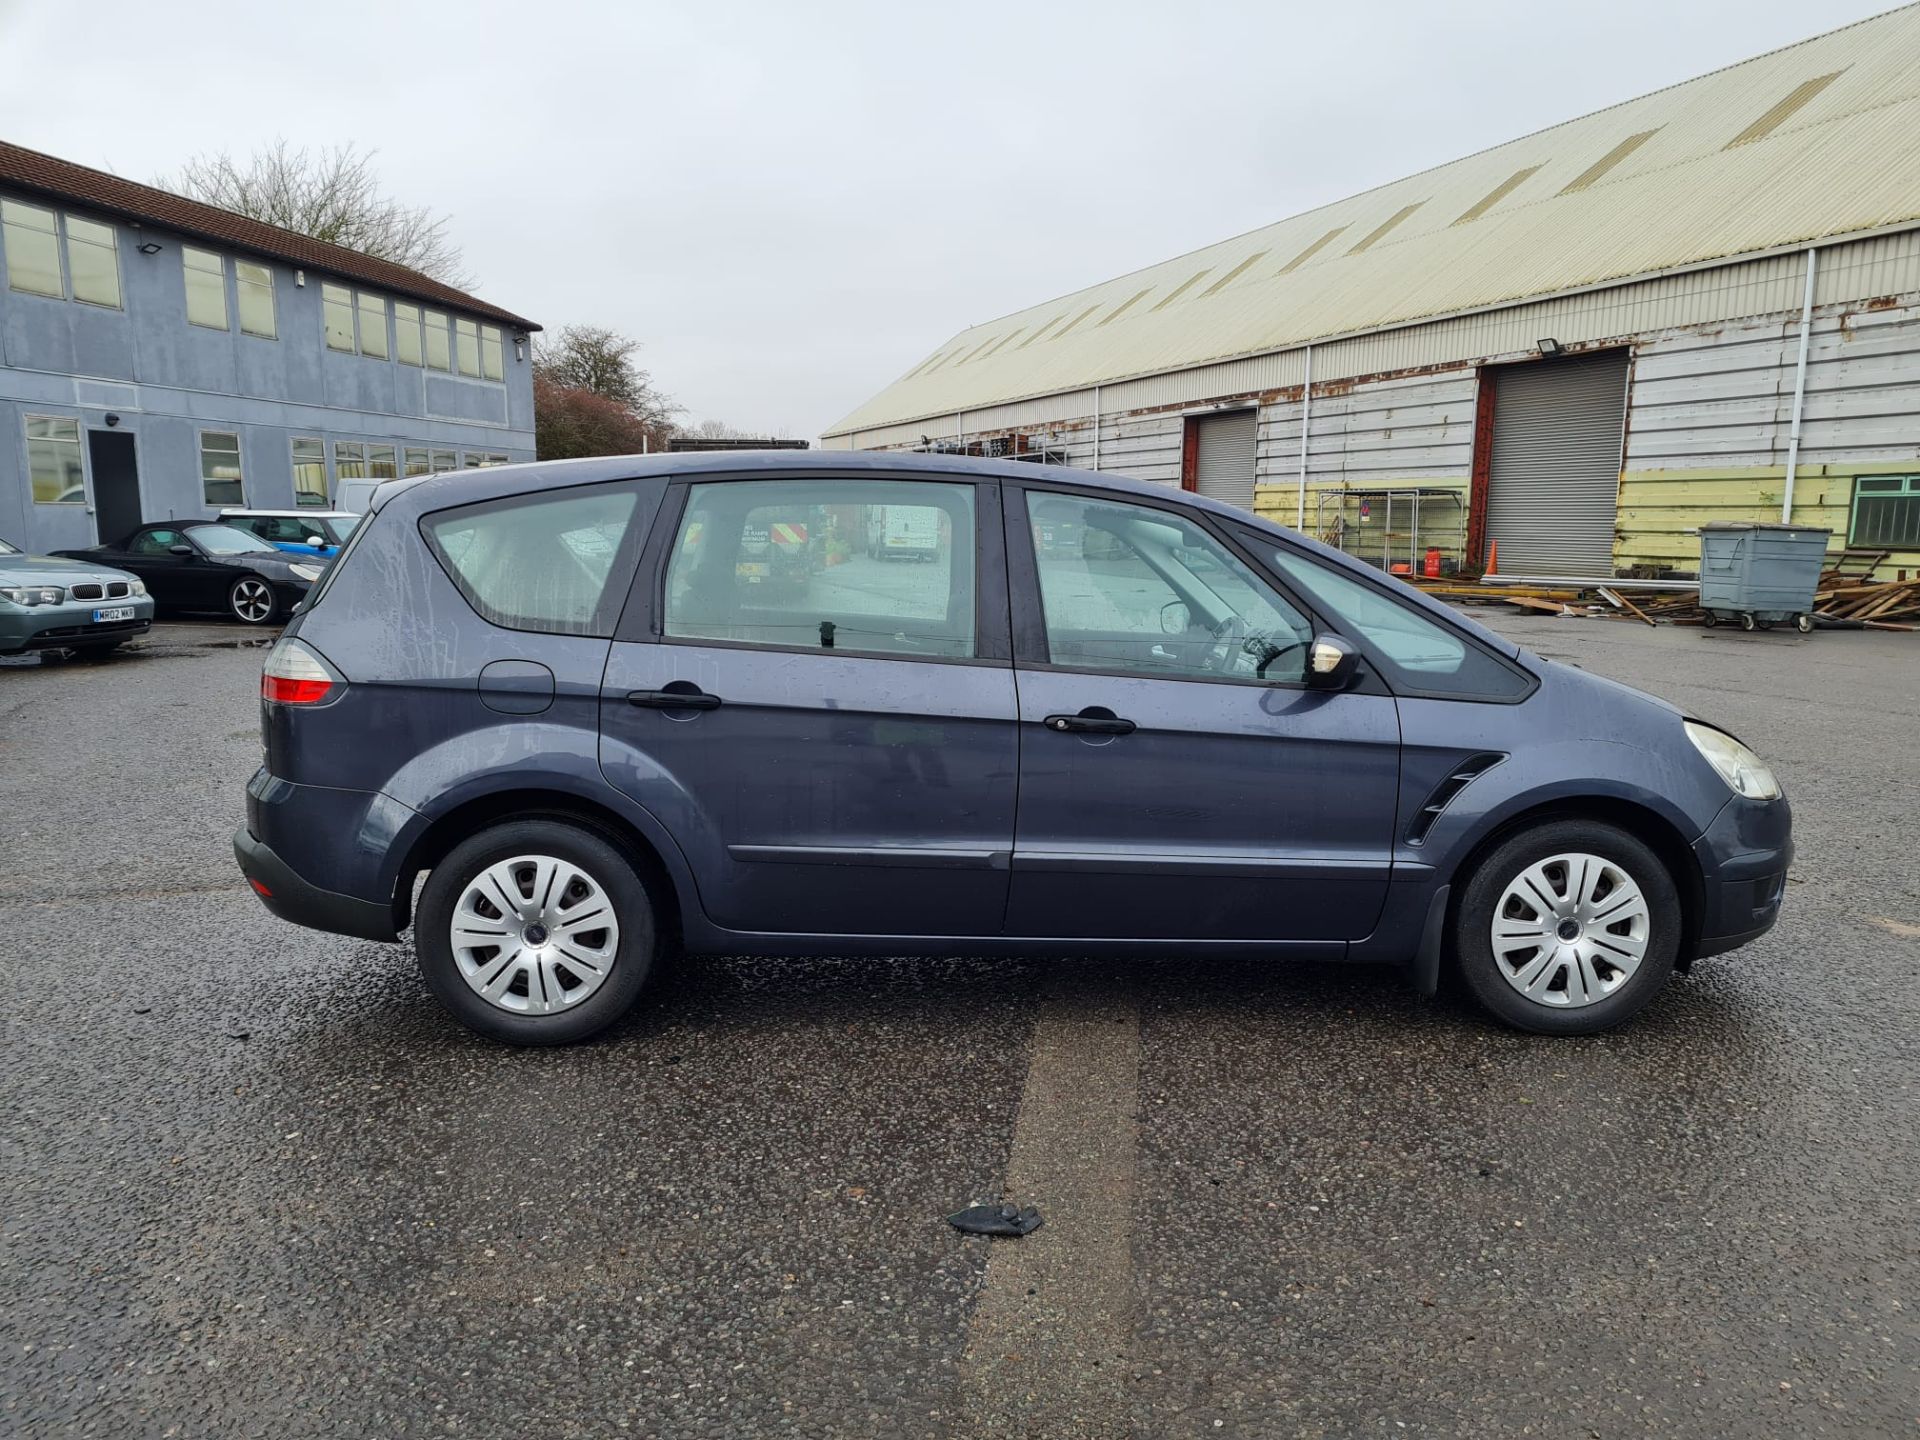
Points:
x=557, y=562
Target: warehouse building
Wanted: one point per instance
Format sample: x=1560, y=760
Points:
x=1703, y=304
x=160, y=359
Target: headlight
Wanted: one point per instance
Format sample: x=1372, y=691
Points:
x=137, y=587
x=308, y=573
x=32, y=594
x=1745, y=772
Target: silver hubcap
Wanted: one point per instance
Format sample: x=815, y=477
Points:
x=534, y=935
x=1570, y=930
x=252, y=601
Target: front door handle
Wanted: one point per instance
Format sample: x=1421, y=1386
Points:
x=1092, y=721
x=690, y=697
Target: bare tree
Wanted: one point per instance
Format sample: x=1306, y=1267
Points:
x=721, y=430
x=590, y=398
x=600, y=361
x=333, y=195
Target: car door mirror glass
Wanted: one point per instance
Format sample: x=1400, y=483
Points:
x=1330, y=663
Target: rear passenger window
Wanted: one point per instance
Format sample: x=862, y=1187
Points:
x=556, y=562
x=876, y=566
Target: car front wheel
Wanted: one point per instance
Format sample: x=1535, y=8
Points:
x=251, y=600
x=1568, y=928
x=535, y=932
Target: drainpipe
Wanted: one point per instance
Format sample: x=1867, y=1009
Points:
x=1306, y=419
x=1799, y=389
x=1096, y=428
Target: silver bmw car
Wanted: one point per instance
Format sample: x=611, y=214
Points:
x=48, y=603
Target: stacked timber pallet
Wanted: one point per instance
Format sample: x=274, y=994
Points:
x=1845, y=600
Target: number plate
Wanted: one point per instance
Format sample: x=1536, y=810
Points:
x=114, y=612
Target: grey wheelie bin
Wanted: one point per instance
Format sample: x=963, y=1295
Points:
x=1760, y=575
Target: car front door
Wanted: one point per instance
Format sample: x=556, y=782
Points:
x=1178, y=779
x=829, y=737
x=149, y=554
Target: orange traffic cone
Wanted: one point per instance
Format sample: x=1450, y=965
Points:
x=1493, y=556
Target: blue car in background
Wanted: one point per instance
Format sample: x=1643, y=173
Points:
x=298, y=532
x=1101, y=715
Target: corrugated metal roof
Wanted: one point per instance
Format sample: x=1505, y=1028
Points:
x=1813, y=141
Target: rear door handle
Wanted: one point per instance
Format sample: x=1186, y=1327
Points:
x=687, y=699
x=1091, y=721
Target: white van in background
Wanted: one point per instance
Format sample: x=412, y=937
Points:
x=907, y=532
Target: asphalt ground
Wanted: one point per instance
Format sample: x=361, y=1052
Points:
x=253, y=1182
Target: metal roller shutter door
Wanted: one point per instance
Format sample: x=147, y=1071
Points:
x=1554, y=486
x=1225, y=462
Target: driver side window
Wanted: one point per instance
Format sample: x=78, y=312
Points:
x=154, y=542
x=1130, y=590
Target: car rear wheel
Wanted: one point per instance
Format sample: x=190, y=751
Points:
x=535, y=932
x=251, y=600
x=1568, y=928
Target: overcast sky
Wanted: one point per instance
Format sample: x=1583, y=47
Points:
x=790, y=204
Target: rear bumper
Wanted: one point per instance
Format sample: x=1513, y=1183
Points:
x=1744, y=857
x=294, y=898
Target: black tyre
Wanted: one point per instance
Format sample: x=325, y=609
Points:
x=250, y=600
x=1605, y=914
x=1803, y=623
x=535, y=932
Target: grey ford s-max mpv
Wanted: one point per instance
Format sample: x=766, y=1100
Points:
x=609, y=705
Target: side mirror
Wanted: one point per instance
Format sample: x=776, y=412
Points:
x=314, y=540
x=1331, y=662
x=1175, y=618
x=181, y=549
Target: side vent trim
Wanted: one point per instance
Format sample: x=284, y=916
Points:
x=1463, y=775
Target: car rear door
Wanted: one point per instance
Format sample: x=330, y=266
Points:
x=832, y=746
x=1178, y=780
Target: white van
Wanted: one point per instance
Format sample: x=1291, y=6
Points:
x=908, y=532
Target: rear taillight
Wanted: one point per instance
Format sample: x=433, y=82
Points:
x=295, y=675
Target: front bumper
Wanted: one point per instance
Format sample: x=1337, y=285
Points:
x=1744, y=857
x=290, y=897
x=70, y=625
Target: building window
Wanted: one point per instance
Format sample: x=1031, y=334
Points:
x=206, y=287
x=1886, y=512
x=32, y=238
x=493, y=359
x=438, y=355
x=466, y=336
x=349, y=461
x=406, y=333
x=496, y=459
x=373, y=326
x=445, y=460
x=253, y=284
x=380, y=462
x=336, y=308
x=416, y=462
x=472, y=460
x=93, y=262
x=53, y=460
x=309, y=470
x=220, y=482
